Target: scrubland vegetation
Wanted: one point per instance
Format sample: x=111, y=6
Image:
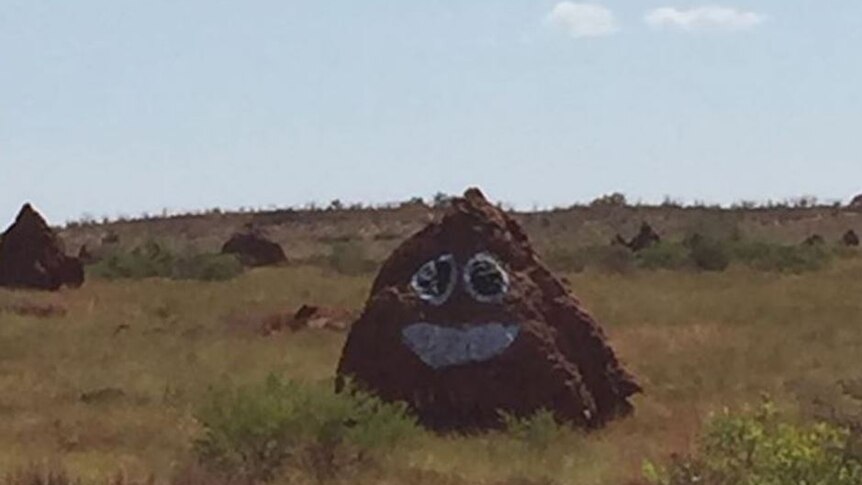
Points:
x=157, y=260
x=156, y=379
x=747, y=344
x=698, y=255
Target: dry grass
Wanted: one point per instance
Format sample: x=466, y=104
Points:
x=145, y=352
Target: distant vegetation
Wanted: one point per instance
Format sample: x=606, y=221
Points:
x=155, y=260
x=440, y=200
x=700, y=255
x=353, y=239
x=350, y=258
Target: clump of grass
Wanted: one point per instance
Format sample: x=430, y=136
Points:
x=538, y=432
x=154, y=260
x=762, y=447
x=259, y=432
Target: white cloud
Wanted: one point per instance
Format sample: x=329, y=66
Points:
x=703, y=18
x=583, y=19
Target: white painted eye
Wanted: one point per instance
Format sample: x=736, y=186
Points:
x=435, y=280
x=485, y=279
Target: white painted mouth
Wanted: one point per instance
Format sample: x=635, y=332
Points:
x=440, y=346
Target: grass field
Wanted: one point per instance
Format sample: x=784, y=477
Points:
x=114, y=384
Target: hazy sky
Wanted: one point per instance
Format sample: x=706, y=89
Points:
x=125, y=106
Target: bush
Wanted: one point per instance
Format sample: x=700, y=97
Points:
x=754, y=448
x=615, y=199
x=709, y=255
x=790, y=259
x=664, y=256
x=696, y=251
x=255, y=433
x=153, y=260
x=350, y=258
x=206, y=267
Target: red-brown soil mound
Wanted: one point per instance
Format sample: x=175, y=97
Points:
x=308, y=317
x=814, y=240
x=464, y=322
x=31, y=256
x=645, y=238
x=850, y=238
x=254, y=249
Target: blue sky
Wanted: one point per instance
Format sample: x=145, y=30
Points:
x=114, y=107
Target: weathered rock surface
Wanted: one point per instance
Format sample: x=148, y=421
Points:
x=464, y=321
x=31, y=256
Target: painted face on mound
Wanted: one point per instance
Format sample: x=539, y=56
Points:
x=453, y=343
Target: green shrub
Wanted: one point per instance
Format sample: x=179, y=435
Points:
x=154, y=260
x=709, y=254
x=146, y=261
x=206, y=267
x=350, y=258
x=790, y=259
x=664, y=256
x=761, y=448
x=258, y=432
x=610, y=259
x=615, y=199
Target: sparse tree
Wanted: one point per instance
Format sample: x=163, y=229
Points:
x=441, y=199
x=615, y=199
